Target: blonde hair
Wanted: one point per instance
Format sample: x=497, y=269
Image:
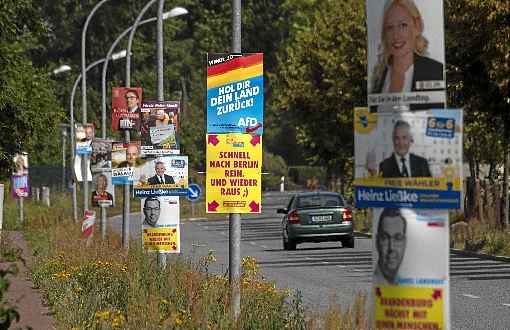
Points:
x=421, y=45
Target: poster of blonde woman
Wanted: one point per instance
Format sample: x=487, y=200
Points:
x=406, y=54
x=408, y=159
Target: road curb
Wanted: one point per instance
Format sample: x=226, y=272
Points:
x=480, y=255
x=457, y=251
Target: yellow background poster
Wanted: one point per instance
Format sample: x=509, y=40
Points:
x=233, y=180
x=404, y=307
x=165, y=239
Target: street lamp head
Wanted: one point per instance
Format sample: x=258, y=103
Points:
x=119, y=55
x=176, y=11
x=62, y=68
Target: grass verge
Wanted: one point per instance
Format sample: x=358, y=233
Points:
x=98, y=285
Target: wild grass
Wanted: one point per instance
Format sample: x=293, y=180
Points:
x=99, y=285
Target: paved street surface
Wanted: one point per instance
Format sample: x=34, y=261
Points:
x=480, y=289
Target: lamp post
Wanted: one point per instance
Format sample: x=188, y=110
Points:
x=61, y=69
x=166, y=15
x=126, y=202
x=84, y=98
x=71, y=111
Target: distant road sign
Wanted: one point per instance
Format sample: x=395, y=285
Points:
x=194, y=192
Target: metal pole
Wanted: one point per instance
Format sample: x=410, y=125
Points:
x=161, y=92
x=103, y=222
x=84, y=100
x=235, y=218
x=64, y=136
x=505, y=189
x=20, y=210
x=1, y=208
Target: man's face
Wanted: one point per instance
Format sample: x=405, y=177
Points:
x=131, y=99
x=160, y=169
x=391, y=244
x=151, y=211
x=402, y=141
x=101, y=183
x=132, y=154
x=400, y=31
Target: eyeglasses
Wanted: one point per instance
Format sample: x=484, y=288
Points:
x=131, y=97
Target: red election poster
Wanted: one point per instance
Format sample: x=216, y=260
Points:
x=126, y=104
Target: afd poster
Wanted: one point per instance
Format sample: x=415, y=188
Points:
x=160, y=224
x=159, y=128
x=126, y=102
x=233, y=178
x=235, y=93
x=409, y=294
x=406, y=54
x=409, y=159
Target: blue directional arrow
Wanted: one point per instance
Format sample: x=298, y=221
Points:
x=194, y=192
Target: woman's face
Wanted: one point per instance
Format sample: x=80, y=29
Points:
x=400, y=32
x=101, y=183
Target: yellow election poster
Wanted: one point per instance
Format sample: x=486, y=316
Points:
x=398, y=307
x=233, y=180
x=163, y=240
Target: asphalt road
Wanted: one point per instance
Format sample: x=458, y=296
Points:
x=479, y=289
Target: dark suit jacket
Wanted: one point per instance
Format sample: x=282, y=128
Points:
x=425, y=69
x=419, y=166
x=154, y=180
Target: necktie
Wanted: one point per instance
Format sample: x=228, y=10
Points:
x=161, y=180
x=404, y=167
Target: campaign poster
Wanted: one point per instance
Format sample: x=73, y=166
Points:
x=84, y=133
x=125, y=157
x=126, y=103
x=162, y=176
x=408, y=294
x=101, y=156
x=103, y=193
x=235, y=93
x=19, y=186
x=78, y=170
x=406, y=54
x=233, y=177
x=20, y=163
x=160, y=224
x=159, y=128
x=409, y=159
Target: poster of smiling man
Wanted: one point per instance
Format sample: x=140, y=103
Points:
x=408, y=159
x=409, y=294
x=406, y=54
x=163, y=176
x=126, y=103
x=159, y=128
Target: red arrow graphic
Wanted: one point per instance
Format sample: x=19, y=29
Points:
x=436, y=294
x=213, y=139
x=378, y=292
x=211, y=207
x=254, y=128
x=255, y=140
x=254, y=207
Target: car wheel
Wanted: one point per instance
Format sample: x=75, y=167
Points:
x=348, y=242
x=288, y=244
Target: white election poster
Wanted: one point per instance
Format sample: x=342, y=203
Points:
x=160, y=224
x=411, y=275
x=406, y=54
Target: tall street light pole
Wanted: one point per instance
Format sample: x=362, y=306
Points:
x=84, y=99
x=235, y=218
x=71, y=115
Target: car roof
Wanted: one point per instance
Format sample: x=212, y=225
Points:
x=317, y=193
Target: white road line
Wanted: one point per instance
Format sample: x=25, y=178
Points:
x=324, y=262
x=507, y=305
x=470, y=296
x=341, y=266
x=263, y=246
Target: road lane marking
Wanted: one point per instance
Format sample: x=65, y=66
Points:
x=341, y=266
x=263, y=246
x=507, y=305
x=325, y=262
x=470, y=296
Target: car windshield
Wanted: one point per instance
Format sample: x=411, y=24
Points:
x=319, y=201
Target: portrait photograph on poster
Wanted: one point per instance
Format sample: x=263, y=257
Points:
x=162, y=176
x=408, y=159
x=103, y=191
x=101, y=156
x=159, y=128
x=125, y=157
x=160, y=224
x=402, y=236
x=20, y=164
x=126, y=103
x=406, y=54
x=84, y=133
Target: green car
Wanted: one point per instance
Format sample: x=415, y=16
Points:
x=316, y=217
